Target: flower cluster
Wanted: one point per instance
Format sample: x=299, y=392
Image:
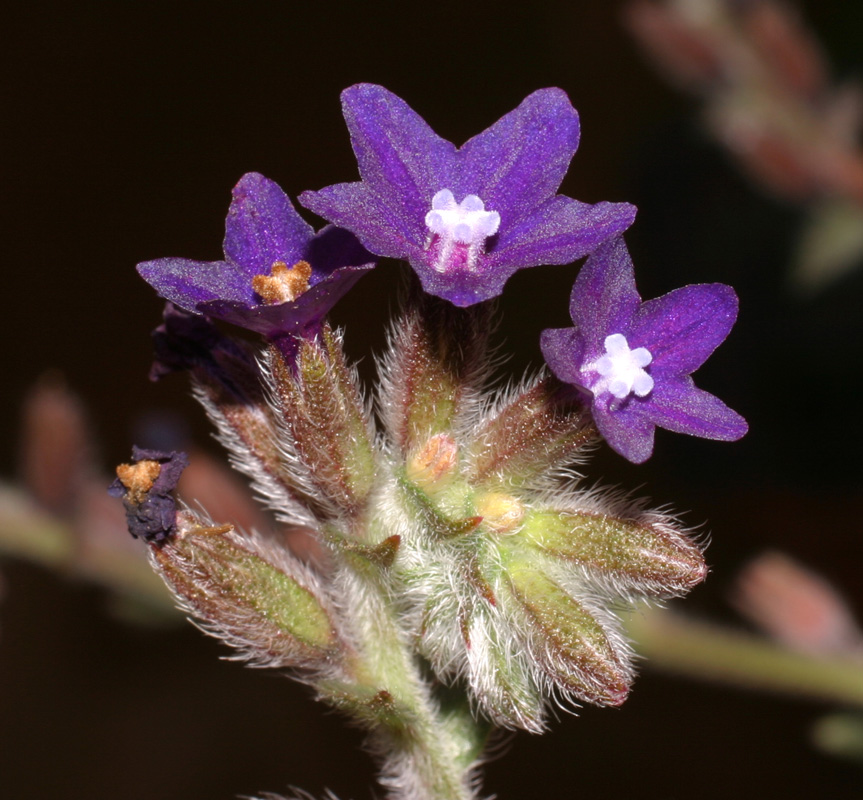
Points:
x=456, y=547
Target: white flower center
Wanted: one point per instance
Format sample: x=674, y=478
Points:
x=465, y=223
x=623, y=369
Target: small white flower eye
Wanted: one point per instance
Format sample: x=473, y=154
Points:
x=623, y=368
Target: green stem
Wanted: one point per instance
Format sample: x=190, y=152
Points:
x=429, y=747
x=701, y=650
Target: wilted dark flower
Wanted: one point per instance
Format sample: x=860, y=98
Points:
x=147, y=486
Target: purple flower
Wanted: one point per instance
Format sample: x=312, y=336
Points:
x=278, y=278
x=466, y=218
x=635, y=358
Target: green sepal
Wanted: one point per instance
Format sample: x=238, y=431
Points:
x=504, y=683
x=329, y=427
x=433, y=519
x=438, y=356
x=539, y=430
x=381, y=555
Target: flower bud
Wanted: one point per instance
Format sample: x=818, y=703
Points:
x=434, y=462
x=252, y=596
x=796, y=606
x=537, y=431
x=327, y=419
x=645, y=555
x=501, y=680
x=227, y=382
x=568, y=642
x=437, y=357
x=500, y=512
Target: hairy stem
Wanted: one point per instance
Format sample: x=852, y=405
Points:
x=428, y=748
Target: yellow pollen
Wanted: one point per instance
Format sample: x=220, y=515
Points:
x=284, y=284
x=138, y=479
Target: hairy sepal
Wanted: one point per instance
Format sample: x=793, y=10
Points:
x=235, y=400
x=575, y=645
x=527, y=437
x=328, y=424
x=253, y=595
x=437, y=361
x=641, y=555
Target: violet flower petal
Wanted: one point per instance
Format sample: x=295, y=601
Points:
x=564, y=352
x=678, y=405
x=399, y=156
x=183, y=341
x=263, y=226
x=292, y=317
x=682, y=328
x=604, y=299
x=355, y=207
x=520, y=161
x=189, y=283
x=560, y=231
x=627, y=431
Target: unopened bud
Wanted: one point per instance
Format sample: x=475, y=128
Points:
x=568, y=642
x=501, y=512
x=255, y=598
x=540, y=429
x=438, y=355
x=324, y=410
x=56, y=458
x=647, y=555
x=796, y=606
x=501, y=680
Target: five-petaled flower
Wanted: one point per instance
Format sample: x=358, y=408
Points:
x=466, y=218
x=278, y=278
x=635, y=359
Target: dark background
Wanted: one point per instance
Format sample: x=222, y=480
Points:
x=125, y=125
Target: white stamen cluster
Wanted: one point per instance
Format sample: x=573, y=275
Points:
x=466, y=223
x=623, y=369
